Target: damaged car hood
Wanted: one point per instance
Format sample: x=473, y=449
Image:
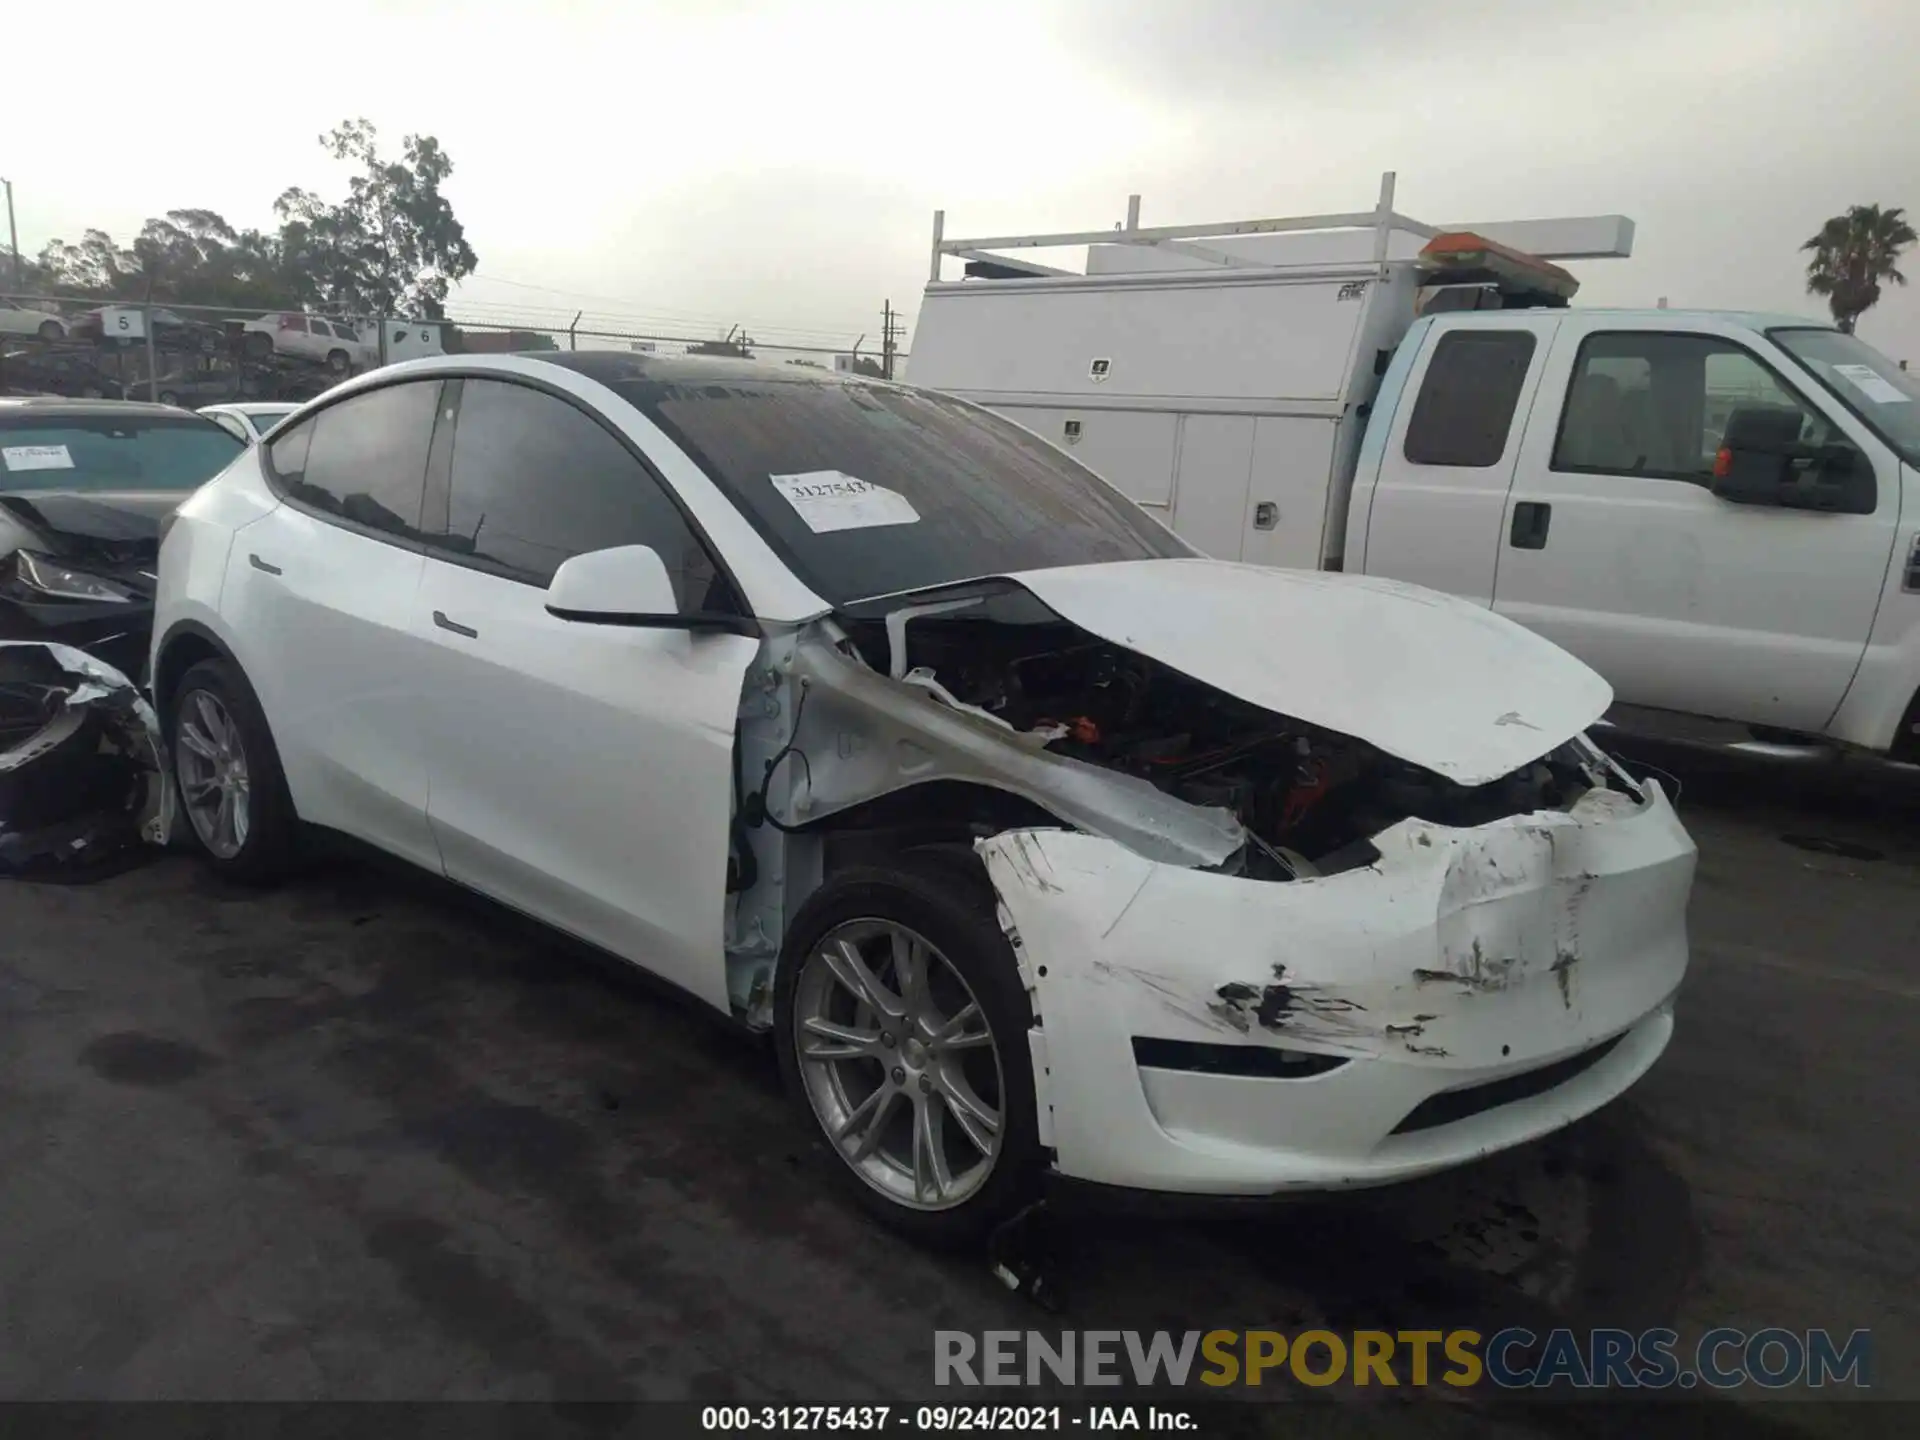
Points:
x=125, y=524
x=1428, y=678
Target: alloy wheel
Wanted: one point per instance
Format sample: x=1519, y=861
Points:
x=899, y=1063
x=211, y=764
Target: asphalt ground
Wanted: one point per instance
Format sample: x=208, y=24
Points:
x=363, y=1137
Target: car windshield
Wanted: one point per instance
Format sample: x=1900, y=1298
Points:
x=1886, y=397
x=112, y=452
x=870, y=490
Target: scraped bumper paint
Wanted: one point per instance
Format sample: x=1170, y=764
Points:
x=1525, y=970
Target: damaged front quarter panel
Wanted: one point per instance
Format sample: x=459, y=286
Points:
x=82, y=768
x=866, y=734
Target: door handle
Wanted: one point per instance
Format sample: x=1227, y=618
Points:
x=260, y=564
x=440, y=619
x=1530, y=521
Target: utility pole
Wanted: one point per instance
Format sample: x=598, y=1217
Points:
x=13, y=238
x=889, y=338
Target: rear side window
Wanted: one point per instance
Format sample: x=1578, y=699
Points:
x=536, y=481
x=1466, y=403
x=364, y=459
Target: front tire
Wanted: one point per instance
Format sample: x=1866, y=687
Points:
x=901, y=1028
x=227, y=774
x=337, y=361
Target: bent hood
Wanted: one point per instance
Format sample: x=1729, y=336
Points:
x=118, y=526
x=1428, y=678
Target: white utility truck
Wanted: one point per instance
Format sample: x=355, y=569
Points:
x=1720, y=512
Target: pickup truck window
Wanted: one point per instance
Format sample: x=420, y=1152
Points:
x=1885, y=397
x=1468, y=397
x=1657, y=403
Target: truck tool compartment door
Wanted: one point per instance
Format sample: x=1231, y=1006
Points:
x=1616, y=547
x=1450, y=451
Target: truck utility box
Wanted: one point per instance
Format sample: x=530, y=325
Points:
x=1220, y=375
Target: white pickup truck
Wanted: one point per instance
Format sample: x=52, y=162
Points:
x=1720, y=512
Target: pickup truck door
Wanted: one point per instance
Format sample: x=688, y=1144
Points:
x=1448, y=450
x=1615, y=546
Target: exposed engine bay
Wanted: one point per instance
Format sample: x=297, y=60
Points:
x=1308, y=798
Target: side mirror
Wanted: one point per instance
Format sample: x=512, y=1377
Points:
x=628, y=585
x=1762, y=461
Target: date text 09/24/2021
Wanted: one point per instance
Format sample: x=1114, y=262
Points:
x=921, y=1419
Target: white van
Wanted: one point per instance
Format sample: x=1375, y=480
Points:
x=1720, y=512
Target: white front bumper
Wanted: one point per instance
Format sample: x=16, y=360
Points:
x=1462, y=958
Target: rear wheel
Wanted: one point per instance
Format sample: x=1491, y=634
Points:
x=52, y=330
x=228, y=774
x=901, y=1025
x=338, y=362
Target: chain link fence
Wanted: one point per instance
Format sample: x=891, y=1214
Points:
x=195, y=355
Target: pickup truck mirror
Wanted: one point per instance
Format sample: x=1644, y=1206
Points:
x=1762, y=461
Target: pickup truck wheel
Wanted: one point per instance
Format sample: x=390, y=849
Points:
x=227, y=774
x=901, y=1029
x=338, y=362
x=257, y=344
x=52, y=330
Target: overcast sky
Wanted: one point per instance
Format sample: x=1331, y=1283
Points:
x=777, y=162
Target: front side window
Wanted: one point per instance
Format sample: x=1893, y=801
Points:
x=1468, y=398
x=363, y=459
x=1657, y=405
x=320, y=328
x=535, y=481
x=102, y=452
x=867, y=490
x=1886, y=397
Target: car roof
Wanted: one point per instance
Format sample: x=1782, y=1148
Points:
x=54, y=407
x=614, y=366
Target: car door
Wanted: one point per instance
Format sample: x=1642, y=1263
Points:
x=1450, y=451
x=581, y=773
x=1617, y=548
x=290, y=336
x=319, y=594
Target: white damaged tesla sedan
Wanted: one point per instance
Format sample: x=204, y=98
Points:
x=1044, y=847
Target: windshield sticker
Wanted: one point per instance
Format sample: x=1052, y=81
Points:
x=1871, y=384
x=827, y=500
x=36, y=457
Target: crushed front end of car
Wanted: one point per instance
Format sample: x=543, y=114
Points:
x=1333, y=902
x=82, y=779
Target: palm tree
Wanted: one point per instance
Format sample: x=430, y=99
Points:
x=1852, y=254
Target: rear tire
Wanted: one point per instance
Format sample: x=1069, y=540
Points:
x=959, y=1151
x=338, y=361
x=222, y=752
x=52, y=330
